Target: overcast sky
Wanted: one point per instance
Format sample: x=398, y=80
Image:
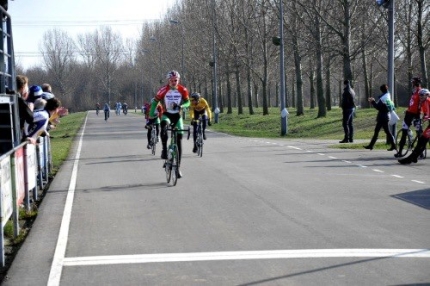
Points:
x=32, y=18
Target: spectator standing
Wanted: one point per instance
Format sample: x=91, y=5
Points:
x=25, y=113
x=41, y=117
x=35, y=92
x=348, y=109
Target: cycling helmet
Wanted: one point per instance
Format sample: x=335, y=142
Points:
x=173, y=73
x=195, y=96
x=424, y=91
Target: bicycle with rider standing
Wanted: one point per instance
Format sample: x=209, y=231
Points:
x=174, y=97
x=424, y=106
x=199, y=108
x=412, y=113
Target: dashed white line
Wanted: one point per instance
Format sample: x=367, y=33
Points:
x=378, y=171
x=397, y=176
x=419, y=182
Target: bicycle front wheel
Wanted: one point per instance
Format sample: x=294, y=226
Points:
x=175, y=165
x=199, y=146
x=407, y=147
x=168, y=169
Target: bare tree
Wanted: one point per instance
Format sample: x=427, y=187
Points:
x=58, y=54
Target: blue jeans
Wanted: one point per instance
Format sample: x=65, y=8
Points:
x=348, y=128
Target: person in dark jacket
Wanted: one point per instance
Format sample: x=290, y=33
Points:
x=348, y=108
x=382, y=118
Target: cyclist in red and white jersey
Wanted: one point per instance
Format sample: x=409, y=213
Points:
x=174, y=97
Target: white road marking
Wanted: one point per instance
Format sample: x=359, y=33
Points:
x=245, y=255
x=60, y=249
x=359, y=165
x=294, y=147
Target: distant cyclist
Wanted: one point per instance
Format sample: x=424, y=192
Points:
x=150, y=123
x=413, y=112
x=199, y=107
x=175, y=97
x=424, y=106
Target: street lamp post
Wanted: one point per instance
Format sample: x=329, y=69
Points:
x=389, y=4
x=214, y=65
x=279, y=41
x=159, y=48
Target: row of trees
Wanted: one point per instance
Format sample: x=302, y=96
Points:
x=326, y=41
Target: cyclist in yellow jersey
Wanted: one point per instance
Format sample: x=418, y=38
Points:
x=199, y=106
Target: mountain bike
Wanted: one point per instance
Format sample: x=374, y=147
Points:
x=412, y=141
x=171, y=164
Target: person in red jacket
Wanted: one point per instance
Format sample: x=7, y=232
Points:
x=425, y=137
x=413, y=112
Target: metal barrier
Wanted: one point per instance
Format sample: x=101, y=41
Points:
x=24, y=171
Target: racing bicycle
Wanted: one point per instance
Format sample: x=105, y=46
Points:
x=199, y=137
x=171, y=164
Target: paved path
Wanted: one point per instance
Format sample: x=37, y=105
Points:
x=250, y=212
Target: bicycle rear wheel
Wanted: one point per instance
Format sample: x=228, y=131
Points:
x=199, y=142
x=153, y=140
x=408, y=144
x=423, y=155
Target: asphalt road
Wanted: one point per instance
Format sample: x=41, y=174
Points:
x=249, y=212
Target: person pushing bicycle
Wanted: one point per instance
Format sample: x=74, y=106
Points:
x=413, y=112
x=424, y=106
x=199, y=106
x=175, y=97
